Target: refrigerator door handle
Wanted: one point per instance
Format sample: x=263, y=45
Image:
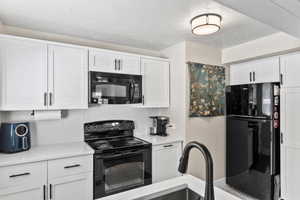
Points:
x=273, y=151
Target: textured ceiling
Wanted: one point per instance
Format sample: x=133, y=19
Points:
x=150, y=24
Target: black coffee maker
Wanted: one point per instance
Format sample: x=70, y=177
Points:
x=160, y=124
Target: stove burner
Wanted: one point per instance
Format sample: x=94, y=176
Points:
x=116, y=143
x=102, y=144
x=134, y=142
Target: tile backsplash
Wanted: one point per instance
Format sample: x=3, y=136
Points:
x=70, y=127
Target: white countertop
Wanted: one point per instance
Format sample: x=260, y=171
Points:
x=168, y=186
x=46, y=152
x=158, y=140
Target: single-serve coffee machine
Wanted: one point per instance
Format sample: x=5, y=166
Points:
x=160, y=124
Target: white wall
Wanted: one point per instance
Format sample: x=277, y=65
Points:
x=275, y=44
x=70, y=127
x=209, y=131
x=73, y=40
x=176, y=54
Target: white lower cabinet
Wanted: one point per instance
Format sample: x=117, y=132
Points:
x=25, y=181
x=37, y=181
x=165, y=161
x=24, y=193
x=76, y=187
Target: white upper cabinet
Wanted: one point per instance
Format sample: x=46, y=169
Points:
x=130, y=64
x=38, y=76
x=266, y=70
x=257, y=71
x=23, y=74
x=289, y=65
x=156, y=88
x=113, y=62
x=240, y=74
x=104, y=61
x=68, y=77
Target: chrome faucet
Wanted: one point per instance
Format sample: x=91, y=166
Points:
x=209, y=185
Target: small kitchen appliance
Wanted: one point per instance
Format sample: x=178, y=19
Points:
x=160, y=124
x=14, y=137
x=110, y=88
x=121, y=161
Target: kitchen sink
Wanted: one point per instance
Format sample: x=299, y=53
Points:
x=183, y=194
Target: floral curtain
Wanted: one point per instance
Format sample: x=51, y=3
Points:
x=207, y=90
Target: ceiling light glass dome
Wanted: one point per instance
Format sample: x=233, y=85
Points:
x=206, y=24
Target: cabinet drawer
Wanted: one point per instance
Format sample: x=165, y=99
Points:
x=24, y=174
x=167, y=146
x=69, y=166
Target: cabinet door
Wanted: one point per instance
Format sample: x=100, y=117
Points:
x=24, y=192
x=23, y=74
x=23, y=181
x=291, y=117
x=103, y=61
x=130, y=64
x=290, y=189
x=290, y=148
x=165, y=161
x=155, y=82
x=266, y=70
x=289, y=66
x=77, y=187
x=68, y=77
x=240, y=74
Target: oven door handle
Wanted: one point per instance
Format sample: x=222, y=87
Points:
x=108, y=156
x=133, y=152
x=119, y=154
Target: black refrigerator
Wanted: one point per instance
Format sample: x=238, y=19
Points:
x=253, y=139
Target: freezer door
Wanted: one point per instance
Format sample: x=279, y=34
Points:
x=249, y=156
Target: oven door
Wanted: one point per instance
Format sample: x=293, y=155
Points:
x=118, y=172
x=107, y=88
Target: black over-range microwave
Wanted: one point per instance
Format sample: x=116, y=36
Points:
x=110, y=88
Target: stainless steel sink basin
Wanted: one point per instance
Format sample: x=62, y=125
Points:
x=183, y=194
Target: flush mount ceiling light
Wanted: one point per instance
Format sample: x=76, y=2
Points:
x=206, y=24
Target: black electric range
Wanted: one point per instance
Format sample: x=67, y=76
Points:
x=121, y=161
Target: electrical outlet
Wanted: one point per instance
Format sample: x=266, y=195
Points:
x=172, y=126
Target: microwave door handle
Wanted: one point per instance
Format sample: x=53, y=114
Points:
x=133, y=91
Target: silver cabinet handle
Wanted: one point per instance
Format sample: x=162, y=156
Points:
x=250, y=76
x=115, y=61
x=44, y=192
x=71, y=166
x=253, y=76
x=18, y=175
x=50, y=99
x=168, y=145
x=119, y=64
x=45, y=99
x=50, y=192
